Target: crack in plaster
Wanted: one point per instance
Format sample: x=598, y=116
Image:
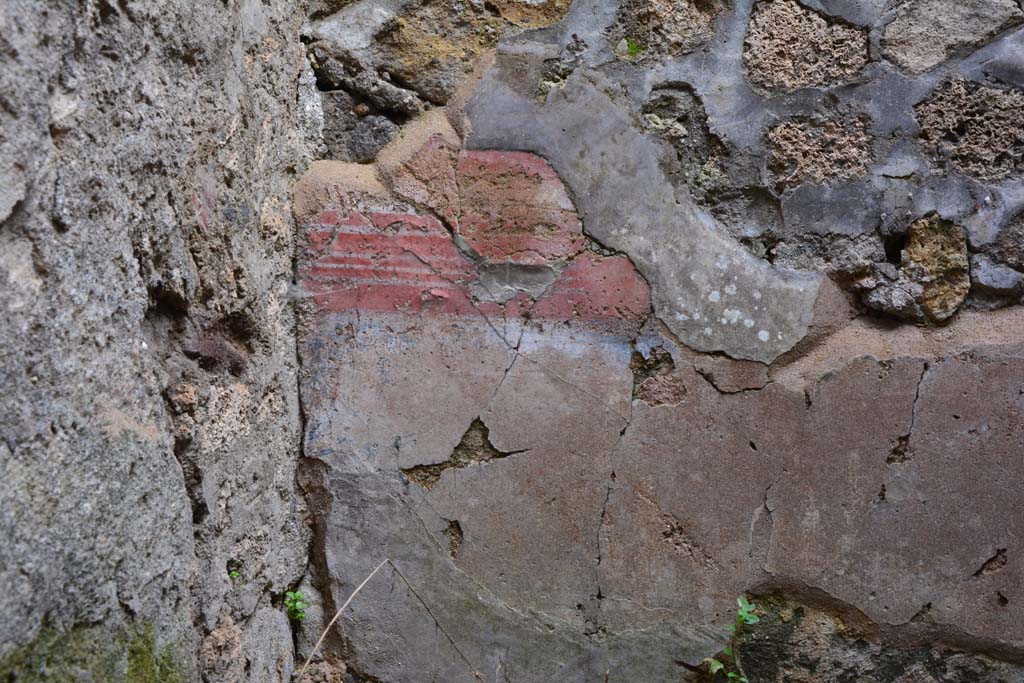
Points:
x=475, y=448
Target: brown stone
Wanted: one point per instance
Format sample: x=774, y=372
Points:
x=664, y=28
x=936, y=255
x=532, y=14
x=789, y=47
x=975, y=128
x=818, y=152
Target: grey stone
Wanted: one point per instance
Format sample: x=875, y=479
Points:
x=311, y=109
x=338, y=121
x=1007, y=247
x=153, y=146
x=841, y=256
x=924, y=33
x=370, y=47
x=933, y=278
x=369, y=136
x=993, y=278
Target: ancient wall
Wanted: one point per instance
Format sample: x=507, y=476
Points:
x=149, y=415
x=584, y=317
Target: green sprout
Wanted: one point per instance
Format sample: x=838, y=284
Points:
x=726, y=663
x=634, y=48
x=295, y=603
x=234, y=574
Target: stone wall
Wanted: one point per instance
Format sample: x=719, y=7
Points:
x=149, y=416
x=585, y=317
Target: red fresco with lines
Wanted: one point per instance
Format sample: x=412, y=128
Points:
x=384, y=260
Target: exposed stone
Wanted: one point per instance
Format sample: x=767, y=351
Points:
x=990, y=278
x=663, y=28
x=676, y=115
x=804, y=151
x=557, y=69
x=146, y=259
x=974, y=128
x=840, y=256
x=1008, y=246
x=338, y=122
x=347, y=73
x=369, y=136
x=532, y=13
x=925, y=33
x=789, y=47
x=311, y=111
x=319, y=8
x=221, y=654
x=655, y=380
x=933, y=278
x=936, y=255
x=431, y=45
x=323, y=672
x=400, y=56
x=474, y=449
x=796, y=643
x=890, y=290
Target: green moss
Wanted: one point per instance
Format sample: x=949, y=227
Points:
x=92, y=655
x=148, y=665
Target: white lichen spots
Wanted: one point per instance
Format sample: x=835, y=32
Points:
x=707, y=331
x=714, y=296
x=763, y=335
x=731, y=316
x=756, y=294
x=730, y=290
x=682, y=316
x=748, y=323
x=696, y=315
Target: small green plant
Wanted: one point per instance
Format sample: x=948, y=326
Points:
x=726, y=663
x=234, y=574
x=634, y=48
x=296, y=605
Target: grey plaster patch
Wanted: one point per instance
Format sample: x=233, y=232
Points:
x=726, y=299
x=499, y=282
